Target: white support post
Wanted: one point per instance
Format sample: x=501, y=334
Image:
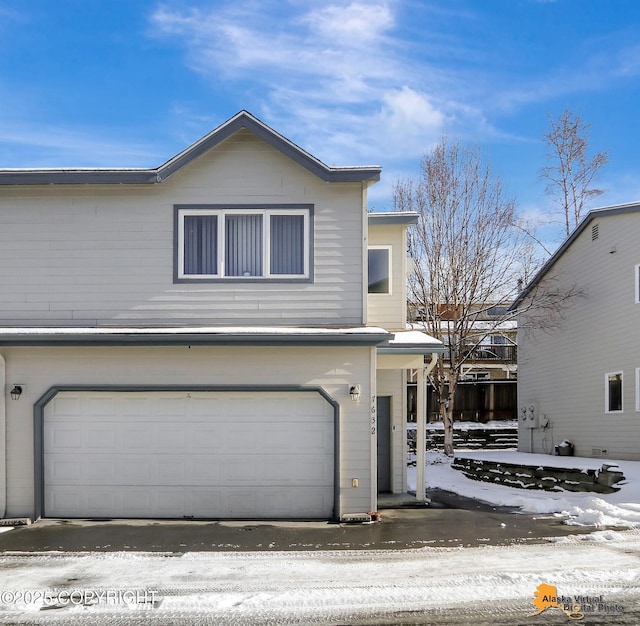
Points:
x=421, y=435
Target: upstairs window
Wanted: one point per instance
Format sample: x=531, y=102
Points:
x=613, y=392
x=637, y=284
x=379, y=270
x=230, y=243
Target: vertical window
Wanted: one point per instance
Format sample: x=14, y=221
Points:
x=243, y=245
x=379, y=270
x=287, y=244
x=201, y=244
x=613, y=392
x=638, y=389
x=637, y=284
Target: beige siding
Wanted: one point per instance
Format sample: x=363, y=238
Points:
x=390, y=310
x=332, y=368
x=562, y=371
x=391, y=383
x=78, y=254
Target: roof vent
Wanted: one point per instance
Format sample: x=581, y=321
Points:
x=594, y=232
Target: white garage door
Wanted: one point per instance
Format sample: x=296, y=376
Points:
x=178, y=454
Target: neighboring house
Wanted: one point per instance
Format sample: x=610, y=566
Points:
x=194, y=340
x=488, y=387
x=579, y=379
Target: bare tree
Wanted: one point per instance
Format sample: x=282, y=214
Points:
x=468, y=255
x=571, y=171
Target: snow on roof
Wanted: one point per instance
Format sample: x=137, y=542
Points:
x=411, y=342
x=413, y=337
x=176, y=330
x=510, y=324
x=203, y=334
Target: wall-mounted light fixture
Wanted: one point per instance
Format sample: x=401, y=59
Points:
x=16, y=392
x=354, y=392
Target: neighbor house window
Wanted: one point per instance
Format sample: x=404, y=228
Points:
x=379, y=270
x=613, y=392
x=637, y=284
x=638, y=389
x=242, y=243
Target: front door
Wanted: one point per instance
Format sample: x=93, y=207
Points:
x=384, y=443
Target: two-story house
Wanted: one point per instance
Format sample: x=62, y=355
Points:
x=199, y=339
x=579, y=347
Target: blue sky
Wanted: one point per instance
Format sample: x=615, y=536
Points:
x=129, y=83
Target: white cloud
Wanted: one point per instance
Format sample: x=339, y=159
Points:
x=359, y=82
x=334, y=73
x=409, y=123
x=628, y=62
x=354, y=25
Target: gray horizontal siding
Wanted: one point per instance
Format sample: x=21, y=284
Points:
x=563, y=371
x=104, y=254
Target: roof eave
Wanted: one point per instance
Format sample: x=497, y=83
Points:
x=424, y=349
x=244, y=119
x=618, y=209
x=78, y=177
x=60, y=337
x=404, y=218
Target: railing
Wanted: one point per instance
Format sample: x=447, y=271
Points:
x=494, y=353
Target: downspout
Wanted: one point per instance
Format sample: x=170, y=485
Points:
x=421, y=426
x=3, y=441
x=365, y=257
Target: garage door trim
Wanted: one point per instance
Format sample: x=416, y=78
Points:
x=39, y=406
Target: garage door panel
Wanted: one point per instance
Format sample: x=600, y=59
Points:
x=100, y=406
x=63, y=436
x=175, y=469
x=200, y=454
x=101, y=438
x=172, y=503
x=206, y=437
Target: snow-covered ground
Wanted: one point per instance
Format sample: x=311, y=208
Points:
x=621, y=508
x=485, y=585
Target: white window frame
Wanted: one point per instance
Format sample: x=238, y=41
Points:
x=637, y=388
x=606, y=392
x=637, y=284
x=389, y=270
x=221, y=214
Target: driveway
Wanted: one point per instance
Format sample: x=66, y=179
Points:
x=450, y=521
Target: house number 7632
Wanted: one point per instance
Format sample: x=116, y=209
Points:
x=373, y=415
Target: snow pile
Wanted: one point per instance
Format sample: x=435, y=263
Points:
x=619, y=509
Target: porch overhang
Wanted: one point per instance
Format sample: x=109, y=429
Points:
x=407, y=349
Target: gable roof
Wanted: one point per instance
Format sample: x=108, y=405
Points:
x=243, y=119
x=618, y=209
